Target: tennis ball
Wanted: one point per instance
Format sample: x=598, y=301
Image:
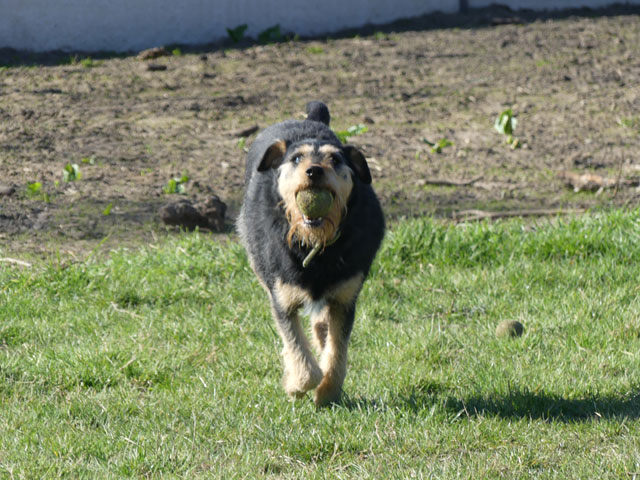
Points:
x=314, y=202
x=509, y=328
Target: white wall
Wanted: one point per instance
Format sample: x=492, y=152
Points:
x=124, y=25
x=550, y=4
x=131, y=25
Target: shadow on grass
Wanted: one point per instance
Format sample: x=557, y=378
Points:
x=544, y=406
x=519, y=404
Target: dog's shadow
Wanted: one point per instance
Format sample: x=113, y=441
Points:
x=513, y=405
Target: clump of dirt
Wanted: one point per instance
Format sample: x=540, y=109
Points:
x=208, y=214
x=428, y=96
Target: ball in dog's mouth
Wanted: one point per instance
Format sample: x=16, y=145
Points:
x=315, y=204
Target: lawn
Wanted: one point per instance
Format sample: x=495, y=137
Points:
x=164, y=361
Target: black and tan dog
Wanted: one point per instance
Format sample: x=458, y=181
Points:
x=319, y=260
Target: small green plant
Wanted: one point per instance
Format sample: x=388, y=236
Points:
x=34, y=190
x=271, y=35
x=242, y=141
x=438, y=146
x=353, y=130
x=88, y=160
x=315, y=50
x=236, y=34
x=176, y=185
x=505, y=124
x=176, y=52
x=632, y=123
x=71, y=172
x=86, y=62
x=107, y=210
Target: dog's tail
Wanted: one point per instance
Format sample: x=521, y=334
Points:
x=318, y=112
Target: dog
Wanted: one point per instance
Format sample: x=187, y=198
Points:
x=316, y=261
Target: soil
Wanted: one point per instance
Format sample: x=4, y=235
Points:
x=572, y=80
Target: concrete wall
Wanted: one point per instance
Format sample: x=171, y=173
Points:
x=125, y=25
x=549, y=4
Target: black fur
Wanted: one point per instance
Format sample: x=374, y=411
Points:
x=318, y=112
x=332, y=279
x=264, y=227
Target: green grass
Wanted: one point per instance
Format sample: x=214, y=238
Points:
x=163, y=362
x=314, y=50
x=631, y=123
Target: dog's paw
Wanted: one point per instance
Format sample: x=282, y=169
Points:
x=299, y=381
x=327, y=393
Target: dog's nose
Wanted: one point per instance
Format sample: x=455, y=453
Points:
x=314, y=172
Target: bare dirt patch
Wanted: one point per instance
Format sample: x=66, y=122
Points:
x=573, y=81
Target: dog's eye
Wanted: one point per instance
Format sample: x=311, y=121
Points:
x=336, y=160
x=296, y=159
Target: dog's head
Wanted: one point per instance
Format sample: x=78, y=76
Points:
x=319, y=167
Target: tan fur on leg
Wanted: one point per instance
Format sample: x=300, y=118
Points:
x=320, y=329
x=301, y=371
x=335, y=341
x=333, y=360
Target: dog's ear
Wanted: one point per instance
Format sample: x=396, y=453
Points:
x=274, y=156
x=358, y=162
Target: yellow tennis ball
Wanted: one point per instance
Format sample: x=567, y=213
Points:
x=314, y=202
x=509, y=328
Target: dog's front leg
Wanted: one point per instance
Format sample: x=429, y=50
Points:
x=301, y=371
x=338, y=321
x=332, y=328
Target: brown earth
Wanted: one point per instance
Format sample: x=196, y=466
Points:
x=572, y=79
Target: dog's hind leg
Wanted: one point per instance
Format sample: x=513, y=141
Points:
x=320, y=327
x=301, y=371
